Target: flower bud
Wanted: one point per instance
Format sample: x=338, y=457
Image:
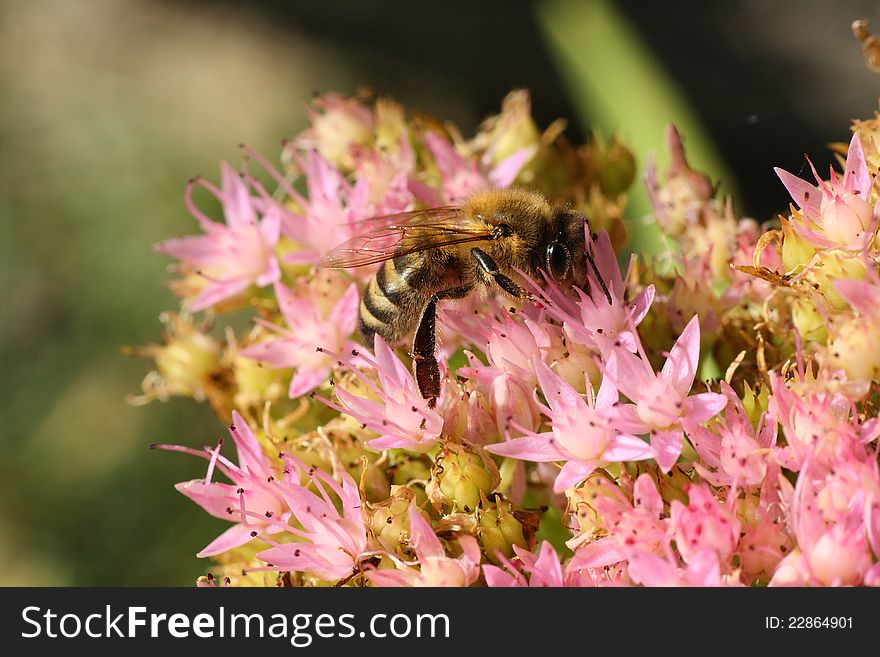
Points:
x=514, y=402
x=586, y=501
x=674, y=485
x=256, y=383
x=796, y=251
x=460, y=478
x=853, y=348
x=499, y=530
x=186, y=364
x=839, y=558
x=469, y=417
x=337, y=124
x=807, y=319
x=834, y=266
x=845, y=217
x=389, y=520
x=761, y=549
x=512, y=130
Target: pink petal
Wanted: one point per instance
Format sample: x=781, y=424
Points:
x=641, y=304
x=277, y=353
x=607, y=395
x=237, y=205
x=560, y=396
x=213, y=497
x=861, y=295
x=391, y=578
x=856, y=177
x=626, y=418
x=667, y=447
x=537, y=448
x=393, y=441
x=508, y=169
x=631, y=374
x=304, y=557
x=806, y=196
x=422, y=536
x=272, y=273
x=498, y=578
x=547, y=569
x=345, y=313
x=627, y=448
x=217, y=292
x=233, y=537
x=306, y=380
x=680, y=367
x=598, y=554
x=573, y=473
x=251, y=456
x=704, y=406
x=200, y=250
x=270, y=226
x=646, y=496
x=650, y=570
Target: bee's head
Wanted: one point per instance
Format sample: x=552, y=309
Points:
x=564, y=253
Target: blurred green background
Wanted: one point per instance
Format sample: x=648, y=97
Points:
x=109, y=106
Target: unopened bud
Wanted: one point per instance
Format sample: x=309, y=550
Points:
x=499, y=530
x=807, y=320
x=389, y=520
x=845, y=217
x=796, y=250
x=853, y=348
x=460, y=477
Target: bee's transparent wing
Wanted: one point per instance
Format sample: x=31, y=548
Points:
x=408, y=232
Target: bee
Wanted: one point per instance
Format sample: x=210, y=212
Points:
x=450, y=252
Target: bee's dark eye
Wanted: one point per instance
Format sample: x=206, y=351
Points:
x=558, y=260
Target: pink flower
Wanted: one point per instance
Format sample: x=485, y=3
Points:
x=335, y=209
x=583, y=433
x=248, y=499
x=330, y=542
x=841, y=211
x=703, y=524
x=435, y=568
x=733, y=453
x=650, y=570
x=398, y=413
x=543, y=569
x=662, y=401
x=238, y=254
x=310, y=335
x=589, y=319
x=637, y=526
x=462, y=178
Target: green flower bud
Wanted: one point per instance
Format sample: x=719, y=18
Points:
x=461, y=476
x=853, y=348
x=832, y=267
x=673, y=485
x=796, y=251
x=808, y=321
x=389, y=520
x=499, y=530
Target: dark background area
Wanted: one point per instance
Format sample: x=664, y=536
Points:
x=110, y=105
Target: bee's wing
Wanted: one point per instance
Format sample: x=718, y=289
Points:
x=408, y=232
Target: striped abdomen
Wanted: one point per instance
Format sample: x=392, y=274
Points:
x=394, y=298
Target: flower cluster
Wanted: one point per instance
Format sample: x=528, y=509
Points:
x=706, y=417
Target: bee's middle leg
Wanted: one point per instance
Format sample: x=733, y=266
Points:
x=427, y=369
x=487, y=264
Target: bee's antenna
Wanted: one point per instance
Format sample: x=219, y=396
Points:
x=599, y=277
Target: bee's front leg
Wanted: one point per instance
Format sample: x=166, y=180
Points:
x=487, y=264
x=427, y=369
